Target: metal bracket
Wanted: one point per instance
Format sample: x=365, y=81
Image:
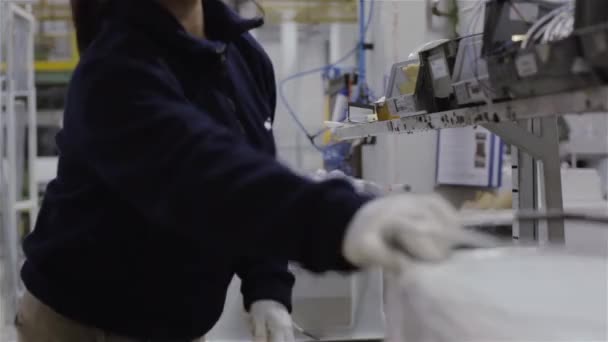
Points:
x=539, y=187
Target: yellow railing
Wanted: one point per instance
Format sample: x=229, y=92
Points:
x=49, y=12
x=66, y=65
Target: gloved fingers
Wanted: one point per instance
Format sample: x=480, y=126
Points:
x=426, y=214
x=428, y=244
x=278, y=323
x=373, y=189
x=336, y=174
x=275, y=335
x=280, y=328
x=259, y=330
x=385, y=254
x=419, y=245
x=319, y=175
x=283, y=335
x=359, y=185
x=290, y=335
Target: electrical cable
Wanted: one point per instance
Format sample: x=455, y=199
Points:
x=288, y=106
x=536, y=32
x=283, y=98
x=561, y=26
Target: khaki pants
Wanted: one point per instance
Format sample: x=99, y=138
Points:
x=36, y=322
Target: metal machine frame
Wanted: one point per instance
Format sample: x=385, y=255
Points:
x=530, y=125
x=538, y=175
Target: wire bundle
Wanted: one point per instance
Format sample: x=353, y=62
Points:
x=556, y=25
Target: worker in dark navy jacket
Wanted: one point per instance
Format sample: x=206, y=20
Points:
x=168, y=186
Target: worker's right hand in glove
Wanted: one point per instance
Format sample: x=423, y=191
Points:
x=392, y=231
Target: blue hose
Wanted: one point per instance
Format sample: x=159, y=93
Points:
x=358, y=49
x=362, y=33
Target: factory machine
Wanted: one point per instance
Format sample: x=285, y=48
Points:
x=527, y=49
x=517, y=70
x=533, y=62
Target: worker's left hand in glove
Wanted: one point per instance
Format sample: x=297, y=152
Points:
x=270, y=322
x=360, y=185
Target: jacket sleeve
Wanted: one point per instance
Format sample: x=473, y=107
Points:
x=179, y=168
x=265, y=279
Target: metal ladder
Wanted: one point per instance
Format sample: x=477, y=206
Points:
x=17, y=165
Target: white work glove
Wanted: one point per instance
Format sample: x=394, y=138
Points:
x=360, y=185
x=270, y=322
x=392, y=231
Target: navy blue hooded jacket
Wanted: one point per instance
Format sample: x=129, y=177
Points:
x=168, y=184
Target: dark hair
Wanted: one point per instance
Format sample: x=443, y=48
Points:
x=87, y=16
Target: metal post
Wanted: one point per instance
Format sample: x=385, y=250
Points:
x=524, y=172
x=2, y=95
x=526, y=193
x=289, y=53
x=552, y=178
x=32, y=138
x=11, y=152
x=4, y=261
x=14, y=20
x=539, y=140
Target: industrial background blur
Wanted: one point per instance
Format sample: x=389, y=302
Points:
x=359, y=83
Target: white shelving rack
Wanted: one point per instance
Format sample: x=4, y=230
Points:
x=528, y=124
x=17, y=130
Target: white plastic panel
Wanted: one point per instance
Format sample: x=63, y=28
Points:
x=503, y=295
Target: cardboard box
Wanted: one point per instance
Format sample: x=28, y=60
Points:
x=396, y=107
